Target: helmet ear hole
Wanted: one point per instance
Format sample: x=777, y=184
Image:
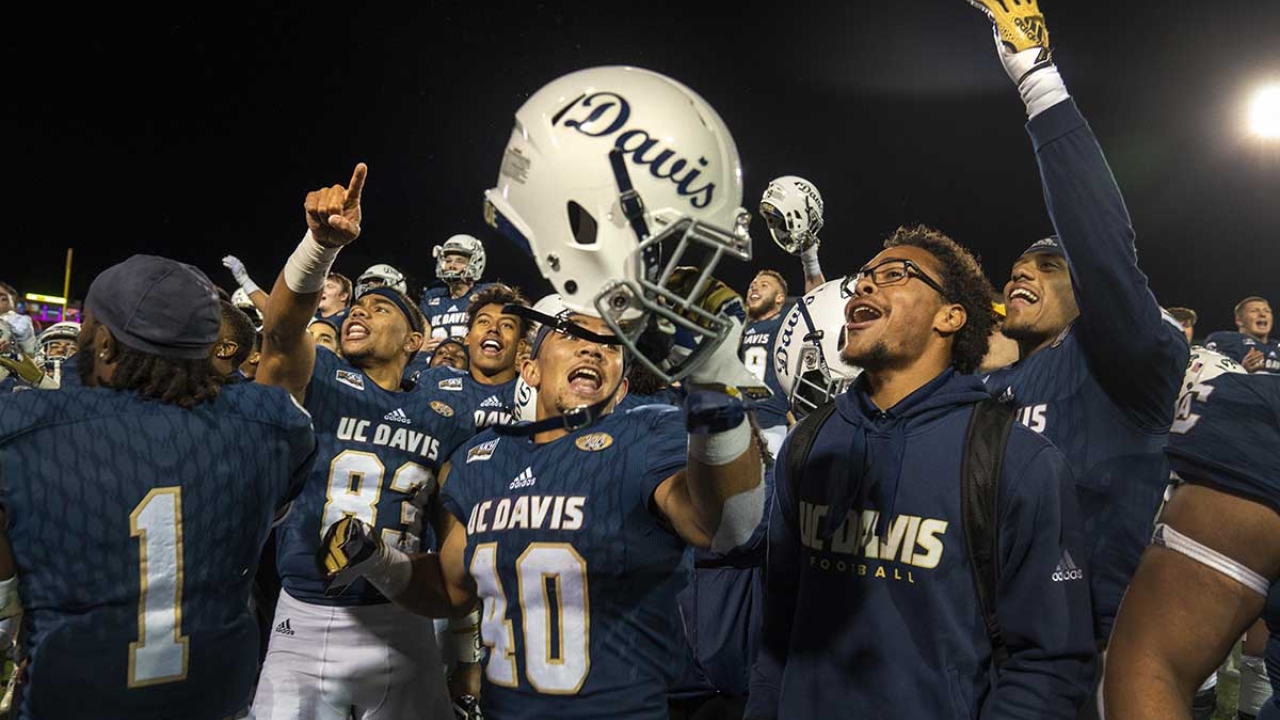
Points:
x=582, y=224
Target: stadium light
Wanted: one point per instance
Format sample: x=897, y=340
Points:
x=1264, y=113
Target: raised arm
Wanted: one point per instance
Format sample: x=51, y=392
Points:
x=1133, y=352
x=333, y=221
x=246, y=283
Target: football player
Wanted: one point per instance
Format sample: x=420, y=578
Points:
x=1186, y=317
x=24, y=334
x=1214, y=561
x=381, y=275
x=460, y=262
x=485, y=393
x=325, y=335
x=136, y=508
x=351, y=653
x=572, y=529
x=766, y=298
x=453, y=353
x=1099, y=366
x=1251, y=345
x=235, y=341
x=792, y=207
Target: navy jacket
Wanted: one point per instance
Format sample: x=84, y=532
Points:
x=1104, y=392
x=870, y=605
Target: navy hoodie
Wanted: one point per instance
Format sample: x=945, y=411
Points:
x=870, y=607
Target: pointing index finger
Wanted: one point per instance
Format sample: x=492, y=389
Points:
x=356, y=186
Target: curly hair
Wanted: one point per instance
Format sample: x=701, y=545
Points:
x=964, y=283
x=501, y=295
x=240, y=331
x=185, y=383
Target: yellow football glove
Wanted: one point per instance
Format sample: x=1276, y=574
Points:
x=24, y=367
x=1019, y=25
x=1022, y=42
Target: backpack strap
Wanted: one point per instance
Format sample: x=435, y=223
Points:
x=987, y=436
x=803, y=436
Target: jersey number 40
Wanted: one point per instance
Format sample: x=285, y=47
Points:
x=552, y=592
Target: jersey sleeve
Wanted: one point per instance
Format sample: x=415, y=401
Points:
x=1227, y=343
x=302, y=446
x=454, y=496
x=667, y=448
x=323, y=375
x=1228, y=437
x=1135, y=355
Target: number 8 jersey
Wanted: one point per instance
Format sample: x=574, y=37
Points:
x=378, y=456
x=577, y=573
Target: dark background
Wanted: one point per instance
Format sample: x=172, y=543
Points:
x=196, y=132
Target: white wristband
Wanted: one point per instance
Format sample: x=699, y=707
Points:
x=391, y=573
x=809, y=258
x=1042, y=89
x=308, y=266
x=250, y=287
x=721, y=448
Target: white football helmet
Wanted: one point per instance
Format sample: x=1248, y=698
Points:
x=806, y=353
x=460, y=245
x=526, y=404
x=611, y=176
x=792, y=207
x=380, y=275
x=66, y=331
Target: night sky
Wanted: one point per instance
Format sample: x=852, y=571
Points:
x=193, y=132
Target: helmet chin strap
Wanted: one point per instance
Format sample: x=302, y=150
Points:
x=574, y=418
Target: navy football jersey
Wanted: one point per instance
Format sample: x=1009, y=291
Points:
x=1104, y=390
x=577, y=572
x=479, y=406
x=757, y=345
x=136, y=528
x=446, y=314
x=1227, y=436
x=1236, y=345
x=666, y=396
x=379, y=454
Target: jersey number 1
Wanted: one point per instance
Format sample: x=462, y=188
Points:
x=160, y=654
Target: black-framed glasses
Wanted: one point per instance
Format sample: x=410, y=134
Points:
x=891, y=272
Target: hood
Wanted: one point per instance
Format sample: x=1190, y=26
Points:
x=878, y=440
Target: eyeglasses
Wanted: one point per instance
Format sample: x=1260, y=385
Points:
x=891, y=272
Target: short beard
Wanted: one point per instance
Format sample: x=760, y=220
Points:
x=1024, y=335
x=763, y=311
x=874, y=360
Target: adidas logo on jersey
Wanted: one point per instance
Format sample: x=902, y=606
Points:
x=398, y=415
x=1067, y=569
x=493, y=401
x=285, y=628
x=523, y=480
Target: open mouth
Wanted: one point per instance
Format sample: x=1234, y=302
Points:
x=862, y=315
x=1022, y=297
x=585, y=380
x=355, y=330
x=753, y=296
x=490, y=347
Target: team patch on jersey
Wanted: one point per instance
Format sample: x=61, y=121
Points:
x=451, y=384
x=482, y=452
x=441, y=408
x=352, y=379
x=594, y=442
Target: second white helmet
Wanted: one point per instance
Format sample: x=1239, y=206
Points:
x=806, y=353
x=792, y=207
x=380, y=275
x=611, y=176
x=466, y=245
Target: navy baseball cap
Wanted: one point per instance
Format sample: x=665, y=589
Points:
x=1049, y=246
x=157, y=305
